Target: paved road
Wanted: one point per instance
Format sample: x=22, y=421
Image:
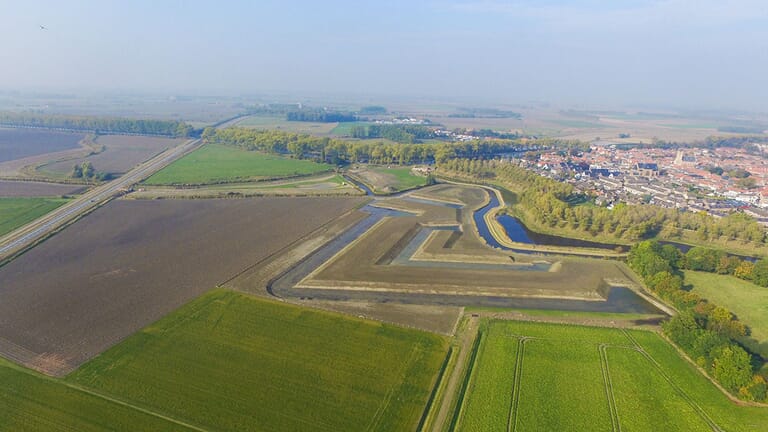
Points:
x=29, y=234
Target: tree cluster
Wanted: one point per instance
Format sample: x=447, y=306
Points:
x=97, y=124
x=319, y=115
x=86, y=171
x=404, y=134
x=717, y=261
x=707, y=332
x=487, y=133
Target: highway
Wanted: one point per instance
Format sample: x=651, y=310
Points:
x=27, y=235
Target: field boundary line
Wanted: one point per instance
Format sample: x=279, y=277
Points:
x=696, y=407
x=513, y=408
x=455, y=420
x=429, y=409
x=135, y=407
x=609, y=393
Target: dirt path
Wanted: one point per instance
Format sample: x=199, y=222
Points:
x=457, y=374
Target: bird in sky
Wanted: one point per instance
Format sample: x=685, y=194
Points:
x=42, y=27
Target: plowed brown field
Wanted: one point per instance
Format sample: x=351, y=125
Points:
x=131, y=262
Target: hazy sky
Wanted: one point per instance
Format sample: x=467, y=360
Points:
x=691, y=53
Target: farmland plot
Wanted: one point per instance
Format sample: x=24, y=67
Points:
x=593, y=379
x=131, y=262
x=221, y=164
x=23, y=143
x=15, y=212
x=120, y=154
x=20, y=189
x=231, y=362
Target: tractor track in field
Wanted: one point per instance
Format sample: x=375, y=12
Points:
x=512, y=419
x=609, y=393
x=696, y=407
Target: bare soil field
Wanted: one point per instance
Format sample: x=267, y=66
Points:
x=23, y=143
x=133, y=261
x=120, y=154
x=35, y=189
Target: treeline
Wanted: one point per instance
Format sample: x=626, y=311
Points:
x=746, y=142
x=320, y=115
x=487, y=133
x=336, y=151
x=271, y=109
x=373, y=110
x=547, y=203
x=707, y=332
x=485, y=113
x=717, y=261
x=742, y=129
x=405, y=134
x=97, y=124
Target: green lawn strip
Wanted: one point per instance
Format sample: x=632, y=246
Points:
x=727, y=414
x=561, y=388
x=489, y=397
x=215, y=163
x=747, y=300
x=16, y=212
x=33, y=402
x=644, y=399
x=232, y=362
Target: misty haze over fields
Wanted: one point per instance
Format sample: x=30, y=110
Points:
x=703, y=54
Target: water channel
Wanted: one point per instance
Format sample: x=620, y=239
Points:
x=617, y=299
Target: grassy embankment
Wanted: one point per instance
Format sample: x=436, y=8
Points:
x=15, y=212
x=534, y=376
x=214, y=163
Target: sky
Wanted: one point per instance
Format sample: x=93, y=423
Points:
x=706, y=54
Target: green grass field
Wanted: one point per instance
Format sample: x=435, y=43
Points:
x=33, y=402
x=227, y=361
x=280, y=123
x=401, y=178
x=345, y=128
x=535, y=376
x=15, y=212
x=747, y=300
x=217, y=163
